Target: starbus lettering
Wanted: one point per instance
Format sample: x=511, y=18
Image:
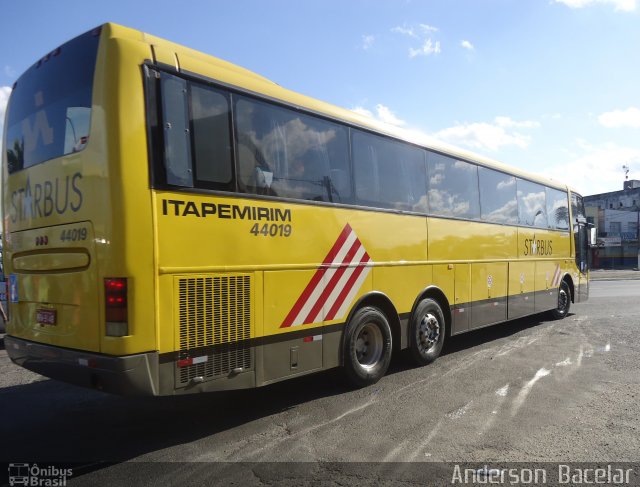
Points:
x=538, y=247
x=43, y=199
x=223, y=211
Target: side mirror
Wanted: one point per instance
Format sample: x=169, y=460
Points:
x=593, y=233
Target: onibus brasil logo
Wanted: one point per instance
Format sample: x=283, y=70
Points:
x=33, y=475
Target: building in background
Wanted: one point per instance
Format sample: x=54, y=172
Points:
x=616, y=215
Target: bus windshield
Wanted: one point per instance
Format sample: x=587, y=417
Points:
x=50, y=108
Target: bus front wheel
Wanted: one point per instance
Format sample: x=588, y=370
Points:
x=564, y=301
x=426, y=332
x=367, y=347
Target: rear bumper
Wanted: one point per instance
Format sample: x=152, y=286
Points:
x=131, y=375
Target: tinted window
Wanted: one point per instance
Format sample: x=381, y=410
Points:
x=285, y=153
x=532, y=210
x=389, y=174
x=50, y=109
x=211, y=137
x=498, y=201
x=177, y=141
x=577, y=207
x=557, y=209
x=453, y=187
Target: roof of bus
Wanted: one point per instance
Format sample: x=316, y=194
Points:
x=231, y=74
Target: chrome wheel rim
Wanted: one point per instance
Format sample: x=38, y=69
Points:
x=369, y=346
x=428, y=332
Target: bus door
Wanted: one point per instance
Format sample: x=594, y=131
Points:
x=581, y=247
x=582, y=251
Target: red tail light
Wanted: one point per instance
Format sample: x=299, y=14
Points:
x=115, y=299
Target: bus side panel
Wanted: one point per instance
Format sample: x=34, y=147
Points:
x=402, y=284
x=481, y=292
x=285, y=351
x=488, y=293
x=452, y=241
x=462, y=306
x=316, y=262
x=547, y=251
x=521, y=289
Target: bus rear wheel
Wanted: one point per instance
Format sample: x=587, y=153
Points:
x=564, y=301
x=427, y=330
x=367, y=347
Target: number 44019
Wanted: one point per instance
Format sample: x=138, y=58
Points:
x=271, y=230
x=73, y=234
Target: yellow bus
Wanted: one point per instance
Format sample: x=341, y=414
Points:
x=175, y=224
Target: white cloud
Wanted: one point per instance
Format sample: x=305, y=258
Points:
x=621, y=118
x=404, y=30
x=383, y=114
x=428, y=47
x=624, y=5
x=422, y=33
x=467, y=45
x=367, y=41
x=507, y=122
x=411, y=31
x=491, y=136
x=596, y=169
x=426, y=28
x=387, y=116
x=5, y=91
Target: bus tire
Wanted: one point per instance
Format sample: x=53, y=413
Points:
x=564, y=301
x=367, y=347
x=427, y=331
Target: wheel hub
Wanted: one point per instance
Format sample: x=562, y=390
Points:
x=369, y=346
x=428, y=332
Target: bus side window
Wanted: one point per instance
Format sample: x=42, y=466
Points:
x=498, y=197
x=532, y=207
x=389, y=174
x=557, y=209
x=175, y=122
x=282, y=152
x=211, y=138
x=453, y=187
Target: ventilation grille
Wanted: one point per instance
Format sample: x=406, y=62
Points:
x=214, y=311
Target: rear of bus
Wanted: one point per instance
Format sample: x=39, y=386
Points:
x=75, y=189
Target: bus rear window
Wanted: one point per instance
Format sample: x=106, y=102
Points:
x=49, y=110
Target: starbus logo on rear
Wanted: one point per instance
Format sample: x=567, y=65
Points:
x=46, y=198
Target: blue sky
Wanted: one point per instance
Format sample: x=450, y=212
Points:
x=549, y=86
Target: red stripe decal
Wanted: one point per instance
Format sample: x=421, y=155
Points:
x=333, y=282
x=556, y=277
x=345, y=291
x=288, y=321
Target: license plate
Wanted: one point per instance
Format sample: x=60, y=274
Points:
x=46, y=316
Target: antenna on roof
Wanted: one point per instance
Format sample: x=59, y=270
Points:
x=625, y=168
